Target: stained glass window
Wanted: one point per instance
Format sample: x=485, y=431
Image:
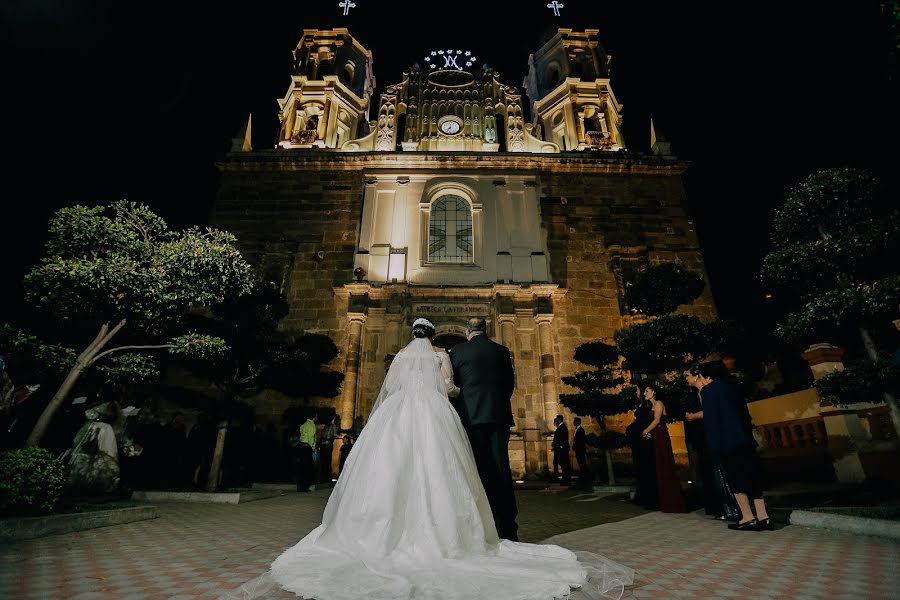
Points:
x=450, y=231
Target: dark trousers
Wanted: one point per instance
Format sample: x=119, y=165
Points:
x=304, y=468
x=490, y=445
x=325, y=452
x=561, y=460
x=584, y=472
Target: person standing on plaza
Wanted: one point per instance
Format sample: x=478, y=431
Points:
x=346, y=447
x=718, y=497
x=326, y=448
x=669, y=494
x=561, y=451
x=483, y=370
x=579, y=446
x=305, y=442
x=729, y=433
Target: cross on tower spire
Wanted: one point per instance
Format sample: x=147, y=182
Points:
x=554, y=5
x=346, y=5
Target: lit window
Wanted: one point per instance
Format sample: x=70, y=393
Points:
x=450, y=231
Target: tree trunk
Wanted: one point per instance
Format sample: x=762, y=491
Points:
x=212, y=481
x=889, y=398
x=81, y=363
x=609, y=468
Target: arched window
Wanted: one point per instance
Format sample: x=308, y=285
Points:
x=450, y=231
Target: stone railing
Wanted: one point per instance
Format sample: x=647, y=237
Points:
x=800, y=433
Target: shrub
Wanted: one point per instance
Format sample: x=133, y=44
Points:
x=31, y=480
x=860, y=381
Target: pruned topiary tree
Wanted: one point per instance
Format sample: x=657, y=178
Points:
x=836, y=242
x=598, y=394
x=119, y=270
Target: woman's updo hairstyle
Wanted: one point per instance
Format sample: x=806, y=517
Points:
x=423, y=328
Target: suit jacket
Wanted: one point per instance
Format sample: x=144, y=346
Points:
x=483, y=371
x=561, y=439
x=578, y=444
x=726, y=417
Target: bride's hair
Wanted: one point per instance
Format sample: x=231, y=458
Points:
x=423, y=330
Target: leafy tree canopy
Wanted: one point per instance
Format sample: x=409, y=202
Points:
x=121, y=270
x=661, y=288
x=834, y=230
x=669, y=343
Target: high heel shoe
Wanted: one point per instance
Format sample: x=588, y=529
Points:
x=750, y=525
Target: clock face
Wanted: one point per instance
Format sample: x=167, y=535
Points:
x=450, y=127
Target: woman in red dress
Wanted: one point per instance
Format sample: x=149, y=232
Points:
x=668, y=487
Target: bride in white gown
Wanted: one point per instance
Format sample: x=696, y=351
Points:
x=409, y=518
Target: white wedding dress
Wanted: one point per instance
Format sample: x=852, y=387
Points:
x=409, y=518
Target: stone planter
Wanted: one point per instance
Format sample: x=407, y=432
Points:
x=24, y=528
x=230, y=497
x=850, y=524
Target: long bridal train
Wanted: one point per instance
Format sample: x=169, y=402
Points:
x=409, y=519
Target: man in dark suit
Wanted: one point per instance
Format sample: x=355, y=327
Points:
x=561, y=450
x=579, y=446
x=483, y=371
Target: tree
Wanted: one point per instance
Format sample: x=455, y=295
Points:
x=122, y=272
x=597, y=396
x=668, y=342
x=258, y=357
x=836, y=240
x=661, y=288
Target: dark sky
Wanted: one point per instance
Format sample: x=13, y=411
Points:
x=108, y=100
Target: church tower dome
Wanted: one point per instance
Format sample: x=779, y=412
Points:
x=327, y=102
x=572, y=101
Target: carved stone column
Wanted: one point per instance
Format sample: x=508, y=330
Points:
x=351, y=369
x=549, y=375
x=519, y=452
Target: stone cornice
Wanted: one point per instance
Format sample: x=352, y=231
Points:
x=463, y=162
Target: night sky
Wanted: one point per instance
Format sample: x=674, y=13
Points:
x=108, y=100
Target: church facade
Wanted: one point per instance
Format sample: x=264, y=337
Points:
x=448, y=205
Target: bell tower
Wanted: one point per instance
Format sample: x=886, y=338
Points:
x=572, y=102
x=327, y=102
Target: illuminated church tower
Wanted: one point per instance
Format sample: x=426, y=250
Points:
x=451, y=203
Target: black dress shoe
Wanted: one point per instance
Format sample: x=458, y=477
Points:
x=751, y=525
x=766, y=525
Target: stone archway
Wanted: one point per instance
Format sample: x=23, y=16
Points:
x=448, y=340
x=448, y=335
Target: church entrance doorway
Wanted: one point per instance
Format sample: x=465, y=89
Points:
x=448, y=339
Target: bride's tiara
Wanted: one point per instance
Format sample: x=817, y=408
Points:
x=423, y=321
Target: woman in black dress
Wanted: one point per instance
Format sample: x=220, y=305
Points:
x=642, y=455
x=729, y=433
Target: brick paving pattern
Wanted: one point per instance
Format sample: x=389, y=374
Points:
x=202, y=551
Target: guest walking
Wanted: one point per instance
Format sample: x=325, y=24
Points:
x=669, y=494
x=729, y=433
x=579, y=446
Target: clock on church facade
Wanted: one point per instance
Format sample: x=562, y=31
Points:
x=449, y=204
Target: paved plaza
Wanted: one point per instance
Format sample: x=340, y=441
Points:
x=203, y=551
